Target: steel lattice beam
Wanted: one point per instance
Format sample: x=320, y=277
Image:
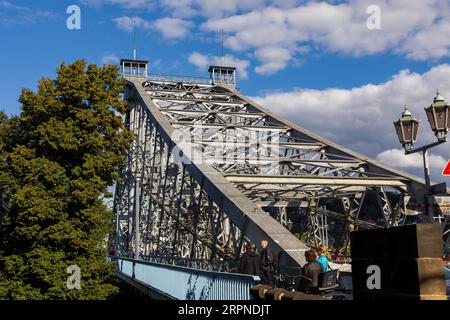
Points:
x=205, y=163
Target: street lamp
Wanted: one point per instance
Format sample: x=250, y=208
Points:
x=438, y=117
x=407, y=128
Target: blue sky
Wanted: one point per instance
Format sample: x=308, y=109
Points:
x=316, y=63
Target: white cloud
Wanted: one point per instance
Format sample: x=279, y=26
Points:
x=199, y=60
x=133, y=4
x=361, y=118
x=215, y=8
x=188, y=8
x=12, y=14
x=433, y=42
x=202, y=62
x=92, y=3
x=397, y=158
x=173, y=28
x=210, y=8
x=273, y=59
x=417, y=29
x=126, y=23
x=128, y=4
x=170, y=28
x=109, y=59
x=179, y=8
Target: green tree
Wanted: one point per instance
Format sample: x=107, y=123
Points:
x=57, y=159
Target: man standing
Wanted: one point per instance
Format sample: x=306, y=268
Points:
x=268, y=264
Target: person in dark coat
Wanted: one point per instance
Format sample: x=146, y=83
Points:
x=309, y=282
x=249, y=262
x=268, y=264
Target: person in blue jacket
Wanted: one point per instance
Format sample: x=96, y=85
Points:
x=323, y=258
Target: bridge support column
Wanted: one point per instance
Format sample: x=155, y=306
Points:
x=400, y=263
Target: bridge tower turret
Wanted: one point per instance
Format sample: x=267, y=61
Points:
x=134, y=68
x=222, y=75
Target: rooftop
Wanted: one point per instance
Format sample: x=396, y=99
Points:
x=222, y=68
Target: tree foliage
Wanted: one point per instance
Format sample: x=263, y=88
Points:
x=58, y=158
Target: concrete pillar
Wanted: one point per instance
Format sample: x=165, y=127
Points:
x=401, y=263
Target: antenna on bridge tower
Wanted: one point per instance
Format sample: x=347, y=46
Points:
x=220, y=73
x=134, y=40
x=222, y=61
x=133, y=67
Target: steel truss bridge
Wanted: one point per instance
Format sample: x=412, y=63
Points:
x=210, y=169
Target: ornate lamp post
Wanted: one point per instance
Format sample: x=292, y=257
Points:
x=438, y=117
x=407, y=128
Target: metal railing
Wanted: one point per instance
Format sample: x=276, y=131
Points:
x=187, y=283
x=219, y=265
x=183, y=79
x=134, y=72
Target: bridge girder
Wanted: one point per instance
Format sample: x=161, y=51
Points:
x=205, y=160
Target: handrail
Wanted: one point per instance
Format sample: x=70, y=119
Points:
x=183, y=79
x=187, y=283
x=221, y=265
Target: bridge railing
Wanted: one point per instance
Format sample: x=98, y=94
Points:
x=183, y=79
x=202, y=264
x=184, y=283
